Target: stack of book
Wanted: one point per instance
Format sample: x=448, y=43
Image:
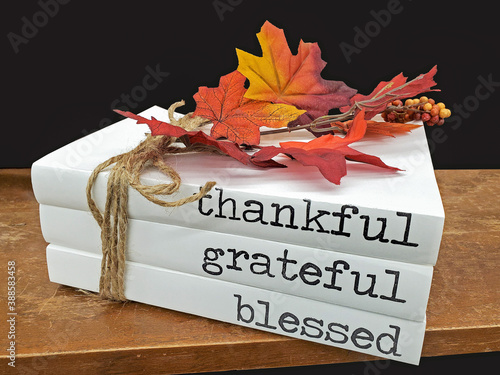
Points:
x=280, y=250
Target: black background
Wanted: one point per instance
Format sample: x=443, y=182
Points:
x=62, y=81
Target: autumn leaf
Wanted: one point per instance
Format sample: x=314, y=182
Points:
x=380, y=127
x=238, y=118
x=328, y=153
x=157, y=127
x=331, y=164
x=160, y=128
x=355, y=133
x=281, y=77
x=228, y=148
x=396, y=88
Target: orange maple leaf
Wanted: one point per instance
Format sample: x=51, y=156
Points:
x=356, y=131
x=238, y=118
x=280, y=77
x=380, y=127
x=328, y=153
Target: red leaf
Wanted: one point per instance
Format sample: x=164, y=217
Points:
x=159, y=128
x=237, y=118
x=264, y=157
x=328, y=153
x=228, y=148
x=396, y=88
x=331, y=163
x=361, y=157
x=355, y=133
x=380, y=127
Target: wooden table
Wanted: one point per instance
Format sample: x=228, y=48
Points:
x=60, y=329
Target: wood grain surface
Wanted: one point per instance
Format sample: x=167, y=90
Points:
x=60, y=330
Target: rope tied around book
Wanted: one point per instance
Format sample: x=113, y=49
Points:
x=126, y=171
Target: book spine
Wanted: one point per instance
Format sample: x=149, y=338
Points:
x=366, y=231
x=382, y=286
x=343, y=327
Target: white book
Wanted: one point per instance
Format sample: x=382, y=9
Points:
x=373, y=212
x=378, y=285
x=375, y=334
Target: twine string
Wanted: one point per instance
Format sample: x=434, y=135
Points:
x=125, y=172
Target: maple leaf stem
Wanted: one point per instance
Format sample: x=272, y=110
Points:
x=313, y=125
x=324, y=120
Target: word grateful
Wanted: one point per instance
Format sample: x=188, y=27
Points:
x=308, y=273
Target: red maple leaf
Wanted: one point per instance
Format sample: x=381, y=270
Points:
x=328, y=153
x=386, y=92
x=238, y=118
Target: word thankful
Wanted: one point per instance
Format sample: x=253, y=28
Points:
x=386, y=343
x=309, y=273
x=317, y=220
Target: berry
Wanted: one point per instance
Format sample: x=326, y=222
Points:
x=435, y=110
x=427, y=107
x=444, y=113
x=414, y=109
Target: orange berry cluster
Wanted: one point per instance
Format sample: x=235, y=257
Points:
x=423, y=108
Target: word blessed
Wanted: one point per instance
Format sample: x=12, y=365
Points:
x=316, y=329
x=319, y=220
